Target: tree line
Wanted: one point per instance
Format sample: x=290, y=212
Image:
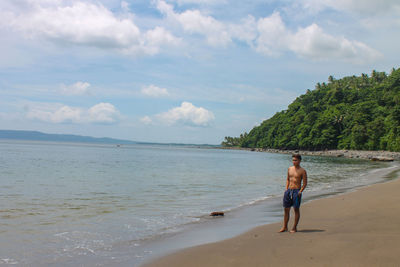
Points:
x=355, y=112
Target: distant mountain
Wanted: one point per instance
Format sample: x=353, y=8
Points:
x=39, y=136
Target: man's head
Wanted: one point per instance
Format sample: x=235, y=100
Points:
x=296, y=158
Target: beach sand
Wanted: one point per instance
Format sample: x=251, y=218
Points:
x=360, y=228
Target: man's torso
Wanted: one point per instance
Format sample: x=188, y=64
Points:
x=295, y=177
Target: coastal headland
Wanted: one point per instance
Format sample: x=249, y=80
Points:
x=359, y=228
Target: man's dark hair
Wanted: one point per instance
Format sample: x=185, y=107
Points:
x=297, y=156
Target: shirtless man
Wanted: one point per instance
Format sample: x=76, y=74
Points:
x=295, y=177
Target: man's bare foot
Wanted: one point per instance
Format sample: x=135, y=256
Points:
x=283, y=230
x=294, y=230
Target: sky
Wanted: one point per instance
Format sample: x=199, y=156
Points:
x=180, y=71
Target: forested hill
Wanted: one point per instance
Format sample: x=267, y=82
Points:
x=360, y=113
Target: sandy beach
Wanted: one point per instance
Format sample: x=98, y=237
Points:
x=359, y=228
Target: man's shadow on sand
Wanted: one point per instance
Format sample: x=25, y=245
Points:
x=310, y=231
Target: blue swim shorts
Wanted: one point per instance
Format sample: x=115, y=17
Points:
x=291, y=198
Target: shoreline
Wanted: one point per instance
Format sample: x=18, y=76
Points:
x=249, y=248
x=246, y=217
x=379, y=155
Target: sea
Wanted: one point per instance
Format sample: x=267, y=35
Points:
x=81, y=204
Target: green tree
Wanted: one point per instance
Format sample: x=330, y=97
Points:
x=350, y=113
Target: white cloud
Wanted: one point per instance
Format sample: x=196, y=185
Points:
x=55, y=113
x=312, y=42
x=146, y=120
x=194, y=22
x=270, y=36
x=371, y=14
x=86, y=24
x=245, y=31
x=154, y=91
x=157, y=37
x=273, y=35
x=78, y=88
x=364, y=7
x=103, y=113
x=206, y=2
x=59, y=113
x=187, y=114
x=125, y=6
x=309, y=42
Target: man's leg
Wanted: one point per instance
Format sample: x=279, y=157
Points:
x=296, y=219
x=285, y=220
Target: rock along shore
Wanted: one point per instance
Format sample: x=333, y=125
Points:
x=361, y=154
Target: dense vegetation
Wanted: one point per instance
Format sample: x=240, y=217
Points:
x=360, y=113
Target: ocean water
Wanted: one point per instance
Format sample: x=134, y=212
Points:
x=100, y=205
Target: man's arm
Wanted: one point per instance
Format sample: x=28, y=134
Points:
x=304, y=181
x=287, y=180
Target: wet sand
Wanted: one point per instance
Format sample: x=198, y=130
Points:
x=360, y=228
